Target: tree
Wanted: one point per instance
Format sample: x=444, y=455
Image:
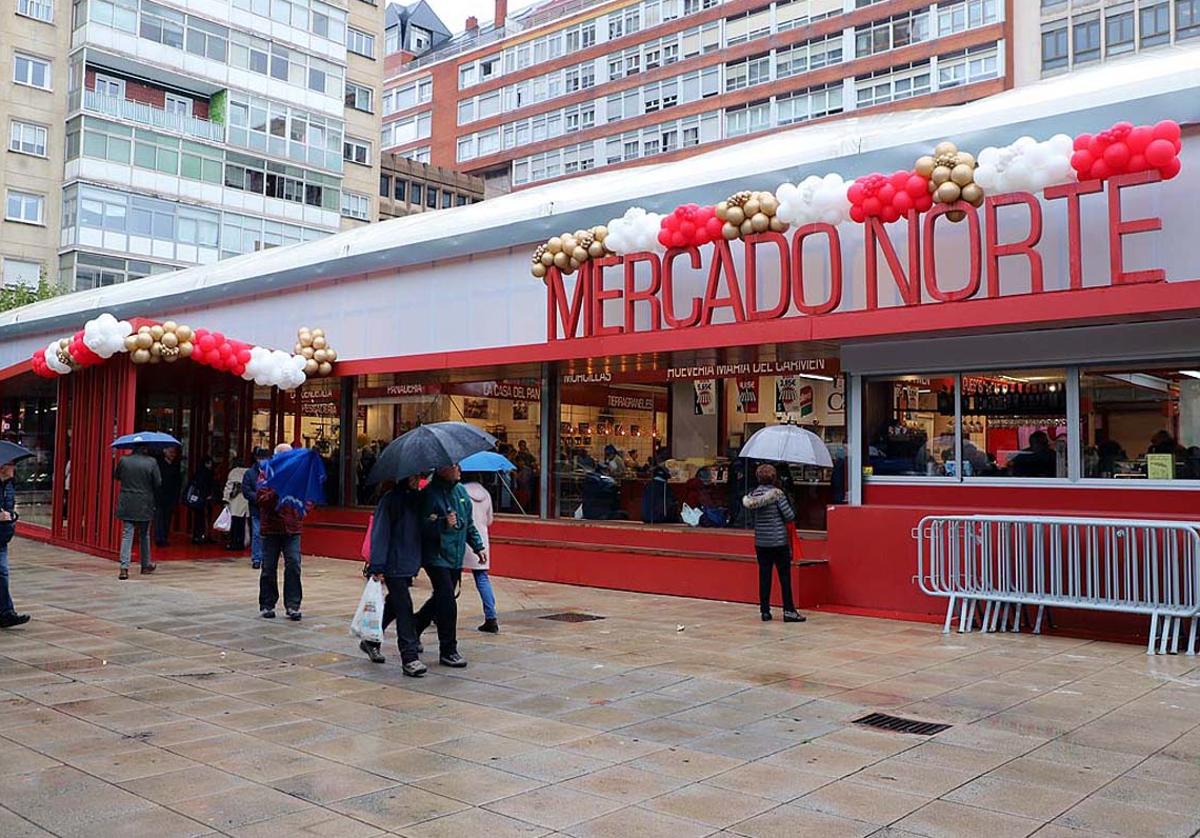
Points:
x=15, y=296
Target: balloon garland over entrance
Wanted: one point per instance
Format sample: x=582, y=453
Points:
x=947, y=175
x=153, y=343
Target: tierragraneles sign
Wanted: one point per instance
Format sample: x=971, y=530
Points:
x=645, y=288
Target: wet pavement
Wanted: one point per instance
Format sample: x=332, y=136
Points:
x=165, y=706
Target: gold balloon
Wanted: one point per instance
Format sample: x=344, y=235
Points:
x=131, y=343
x=155, y=359
x=972, y=194
x=140, y=356
x=63, y=343
x=185, y=349
x=596, y=249
x=319, y=356
x=751, y=208
x=600, y=232
x=143, y=330
x=722, y=208
x=144, y=340
x=956, y=215
x=547, y=259
x=170, y=326
x=760, y=222
x=308, y=352
x=945, y=148
x=768, y=203
x=330, y=354
x=729, y=231
x=325, y=368
x=962, y=174
x=735, y=215
x=579, y=254
x=319, y=342
x=568, y=244
x=579, y=234
x=554, y=245
x=747, y=227
x=155, y=349
x=562, y=260
x=318, y=333
x=539, y=270
x=968, y=159
x=573, y=264
x=940, y=175
x=778, y=225
x=311, y=367
x=170, y=339
x=306, y=339
x=184, y=333
x=156, y=332
x=947, y=193
x=925, y=166
x=296, y=349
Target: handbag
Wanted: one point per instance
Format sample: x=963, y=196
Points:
x=224, y=521
x=191, y=497
x=365, y=551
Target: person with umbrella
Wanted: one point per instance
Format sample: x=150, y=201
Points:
x=482, y=515
x=10, y=452
x=140, y=481
x=288, y=487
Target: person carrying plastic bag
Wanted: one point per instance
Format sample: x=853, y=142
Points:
x=367, y=624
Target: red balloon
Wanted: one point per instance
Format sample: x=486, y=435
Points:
x=714, y=225
x=678, y=239
x=218, y=337
x=1099, y=170
x=886, y=193
x=1096, y=147
x=924, y=202
x=1160, y=152
x=243, y=356
x=212, y=357
x=1170, y=169
x=239, y=369
x=903, y=202
x=872, y=206
x=1168, y=129
x=916, y=186
x=855, y=193
x=1081, y=161
x=899, y=179
x=1137, y=163
x=225, y=349
x=1082, y=142
x=857, y=214
x=1139, y=138
x=1117, y=157
x=664, y=237
x=206, y=342
x=890, y=214
x=688, y=229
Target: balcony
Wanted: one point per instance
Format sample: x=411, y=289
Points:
x=144, y=114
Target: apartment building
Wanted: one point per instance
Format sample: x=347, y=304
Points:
x=146, y=136
x=1062, y=35
x=569, y=86
x=407, y=186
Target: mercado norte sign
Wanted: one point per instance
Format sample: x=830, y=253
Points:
x=816, y=249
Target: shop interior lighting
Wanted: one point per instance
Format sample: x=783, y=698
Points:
x=816, y=377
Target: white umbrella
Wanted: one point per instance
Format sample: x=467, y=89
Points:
x=787, y=444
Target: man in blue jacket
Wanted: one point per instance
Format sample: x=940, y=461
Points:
x=395, y=561
x=250, y=493
x=447, y=528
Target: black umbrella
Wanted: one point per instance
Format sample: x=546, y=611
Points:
x=428, y=447
x=10, y=452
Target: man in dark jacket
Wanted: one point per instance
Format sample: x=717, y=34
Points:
x=250, y=493
x=140, y=483
x=395, y=560
x=8, y=527
x=447, y=529
x=281, y=530
x=171, y=470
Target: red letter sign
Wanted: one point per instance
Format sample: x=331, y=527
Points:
x=557, y=309
x=835, y=268
x=875, y=237
x=751, y=258
x=1026, y=247
x=974, y=246
x=668, y=289
x=1118, y=228
x=649, y=295
x=1072, y=191
x=600, y=294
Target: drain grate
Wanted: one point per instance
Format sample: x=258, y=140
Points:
x=571, y=617
x=898, y=725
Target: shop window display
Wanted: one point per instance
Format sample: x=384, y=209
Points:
x=27, y=417
x=308, y=417
x=908, y=426
x=1141, y=422
x=1015, y=424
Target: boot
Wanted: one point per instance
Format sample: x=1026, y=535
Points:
x=490, y=626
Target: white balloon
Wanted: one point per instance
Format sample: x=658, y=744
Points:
x=816, y=198
x=634, y=232
x=1026, y=164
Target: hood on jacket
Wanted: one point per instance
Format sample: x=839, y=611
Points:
x=762, y=496
x=477, y=492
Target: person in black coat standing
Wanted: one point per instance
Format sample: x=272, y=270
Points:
x=171, y=469
x=771, y=512
x=199, y=496
x=8, y=527
x=395, y=560
x=140, y=482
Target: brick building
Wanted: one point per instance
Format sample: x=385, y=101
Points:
x=407, y=186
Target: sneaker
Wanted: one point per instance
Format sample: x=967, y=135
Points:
x=794, y=617
x=294, y=615
x=150, y=568
x=13, y=619
x=416, y=669
x=454, y=661
x=124, y=574
x=490, y=626
x=255, y=565
x=268, y=613
x=766, y=616
x=371, y=650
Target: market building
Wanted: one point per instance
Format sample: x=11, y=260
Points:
x=1038, y=357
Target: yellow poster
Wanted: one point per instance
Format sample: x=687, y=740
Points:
x=1160, y=466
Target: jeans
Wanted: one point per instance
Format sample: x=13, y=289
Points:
x=200, y=523
x=397, y=607
x=487, y=596
x=779, y=559
x=6, y=603
x=268, y=581
x=143, y=531
x=255, y=537
x=162, y=523
x=441, y=608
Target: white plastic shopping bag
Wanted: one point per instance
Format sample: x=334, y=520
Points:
x=368, y=619
x=690, y=515
x=224, y=521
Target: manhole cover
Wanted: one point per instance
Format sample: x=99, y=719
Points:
x=898, y=725
x=572, y=617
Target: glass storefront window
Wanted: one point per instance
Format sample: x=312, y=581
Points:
x=1015, y=423
x=28, y=410
x=1141, y=422
x=908, y=426
x=506, y=405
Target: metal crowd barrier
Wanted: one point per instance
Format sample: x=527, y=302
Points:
x=1005, y=563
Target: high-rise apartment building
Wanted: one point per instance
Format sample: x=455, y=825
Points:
x=1063, y=35
x=568, y=86
x=146, y=136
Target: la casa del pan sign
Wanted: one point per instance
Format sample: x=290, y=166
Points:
x=1074, y=235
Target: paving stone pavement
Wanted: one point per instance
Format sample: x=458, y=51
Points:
x=163, y=706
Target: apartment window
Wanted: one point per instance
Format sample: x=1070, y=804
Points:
x=25, y=207
x=360, y=43
x=385, y=186
x=179, y=105
x=1086, y=34
x=1187, y=19
x=355, y=150
x=207, y=39
x=752, y=71
x=161, y=25
x=747, y=119
x=416, y=194
x=109, y=86
x=1118, y=29
x=42, y=10
x=460, y=200
x=893, y=33
x=359, y=97
x=690, y=7
x=18, y=272
x=356, y=206
x=419, y=39
x=747, y=27
x=893, y=85
x=966, y=14
x=1054, y=46
x=466, y=148
x=401, y=189
x=968, y=66
x=431, y=197
x=27, y=138
x=1156, y=23
x=808, y=104
x=31, y=71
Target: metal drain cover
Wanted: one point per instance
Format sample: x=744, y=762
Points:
x=571, y=617
x=896, y=724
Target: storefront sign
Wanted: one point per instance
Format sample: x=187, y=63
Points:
x=793, y=397
x=645, y=289
x=705, y=402
x=613, y=398
x=510, y=390
x=747, y=394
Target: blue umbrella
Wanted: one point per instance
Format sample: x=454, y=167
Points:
x=144, y=438
x=298, y=478
x=10, y=452
x=487, y=461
